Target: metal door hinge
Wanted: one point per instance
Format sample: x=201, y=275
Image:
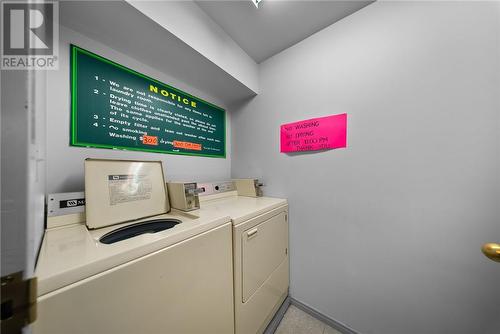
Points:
x=18, y=302
x=286, y=218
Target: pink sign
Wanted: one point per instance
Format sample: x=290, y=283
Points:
x=314, y=134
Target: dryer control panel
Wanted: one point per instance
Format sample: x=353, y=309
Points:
x=211, y=188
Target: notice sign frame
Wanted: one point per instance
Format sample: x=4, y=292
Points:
x=173, y=114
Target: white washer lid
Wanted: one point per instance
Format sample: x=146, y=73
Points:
x=118, y=191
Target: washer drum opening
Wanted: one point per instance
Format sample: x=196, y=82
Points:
x=130, y=231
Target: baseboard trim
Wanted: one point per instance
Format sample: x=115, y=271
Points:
x=273, y=325
x=343, y=328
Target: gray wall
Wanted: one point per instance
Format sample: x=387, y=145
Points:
x=385, y=235
x=65, y=163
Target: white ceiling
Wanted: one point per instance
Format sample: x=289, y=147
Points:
x=277, y=24
x=123, y=28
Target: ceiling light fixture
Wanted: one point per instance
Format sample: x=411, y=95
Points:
x=256, y=3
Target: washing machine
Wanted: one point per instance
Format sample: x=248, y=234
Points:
x=133, y=277
x=260, y=252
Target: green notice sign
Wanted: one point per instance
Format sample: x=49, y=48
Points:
x=115, y=107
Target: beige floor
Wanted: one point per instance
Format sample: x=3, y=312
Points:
x=296, y=321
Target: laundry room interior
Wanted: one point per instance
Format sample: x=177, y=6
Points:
x=250, y=166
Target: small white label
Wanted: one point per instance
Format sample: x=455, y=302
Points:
x=129, y=188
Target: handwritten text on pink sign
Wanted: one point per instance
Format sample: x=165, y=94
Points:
x=315, y=134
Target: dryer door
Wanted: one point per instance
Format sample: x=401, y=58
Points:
x=264, y=247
